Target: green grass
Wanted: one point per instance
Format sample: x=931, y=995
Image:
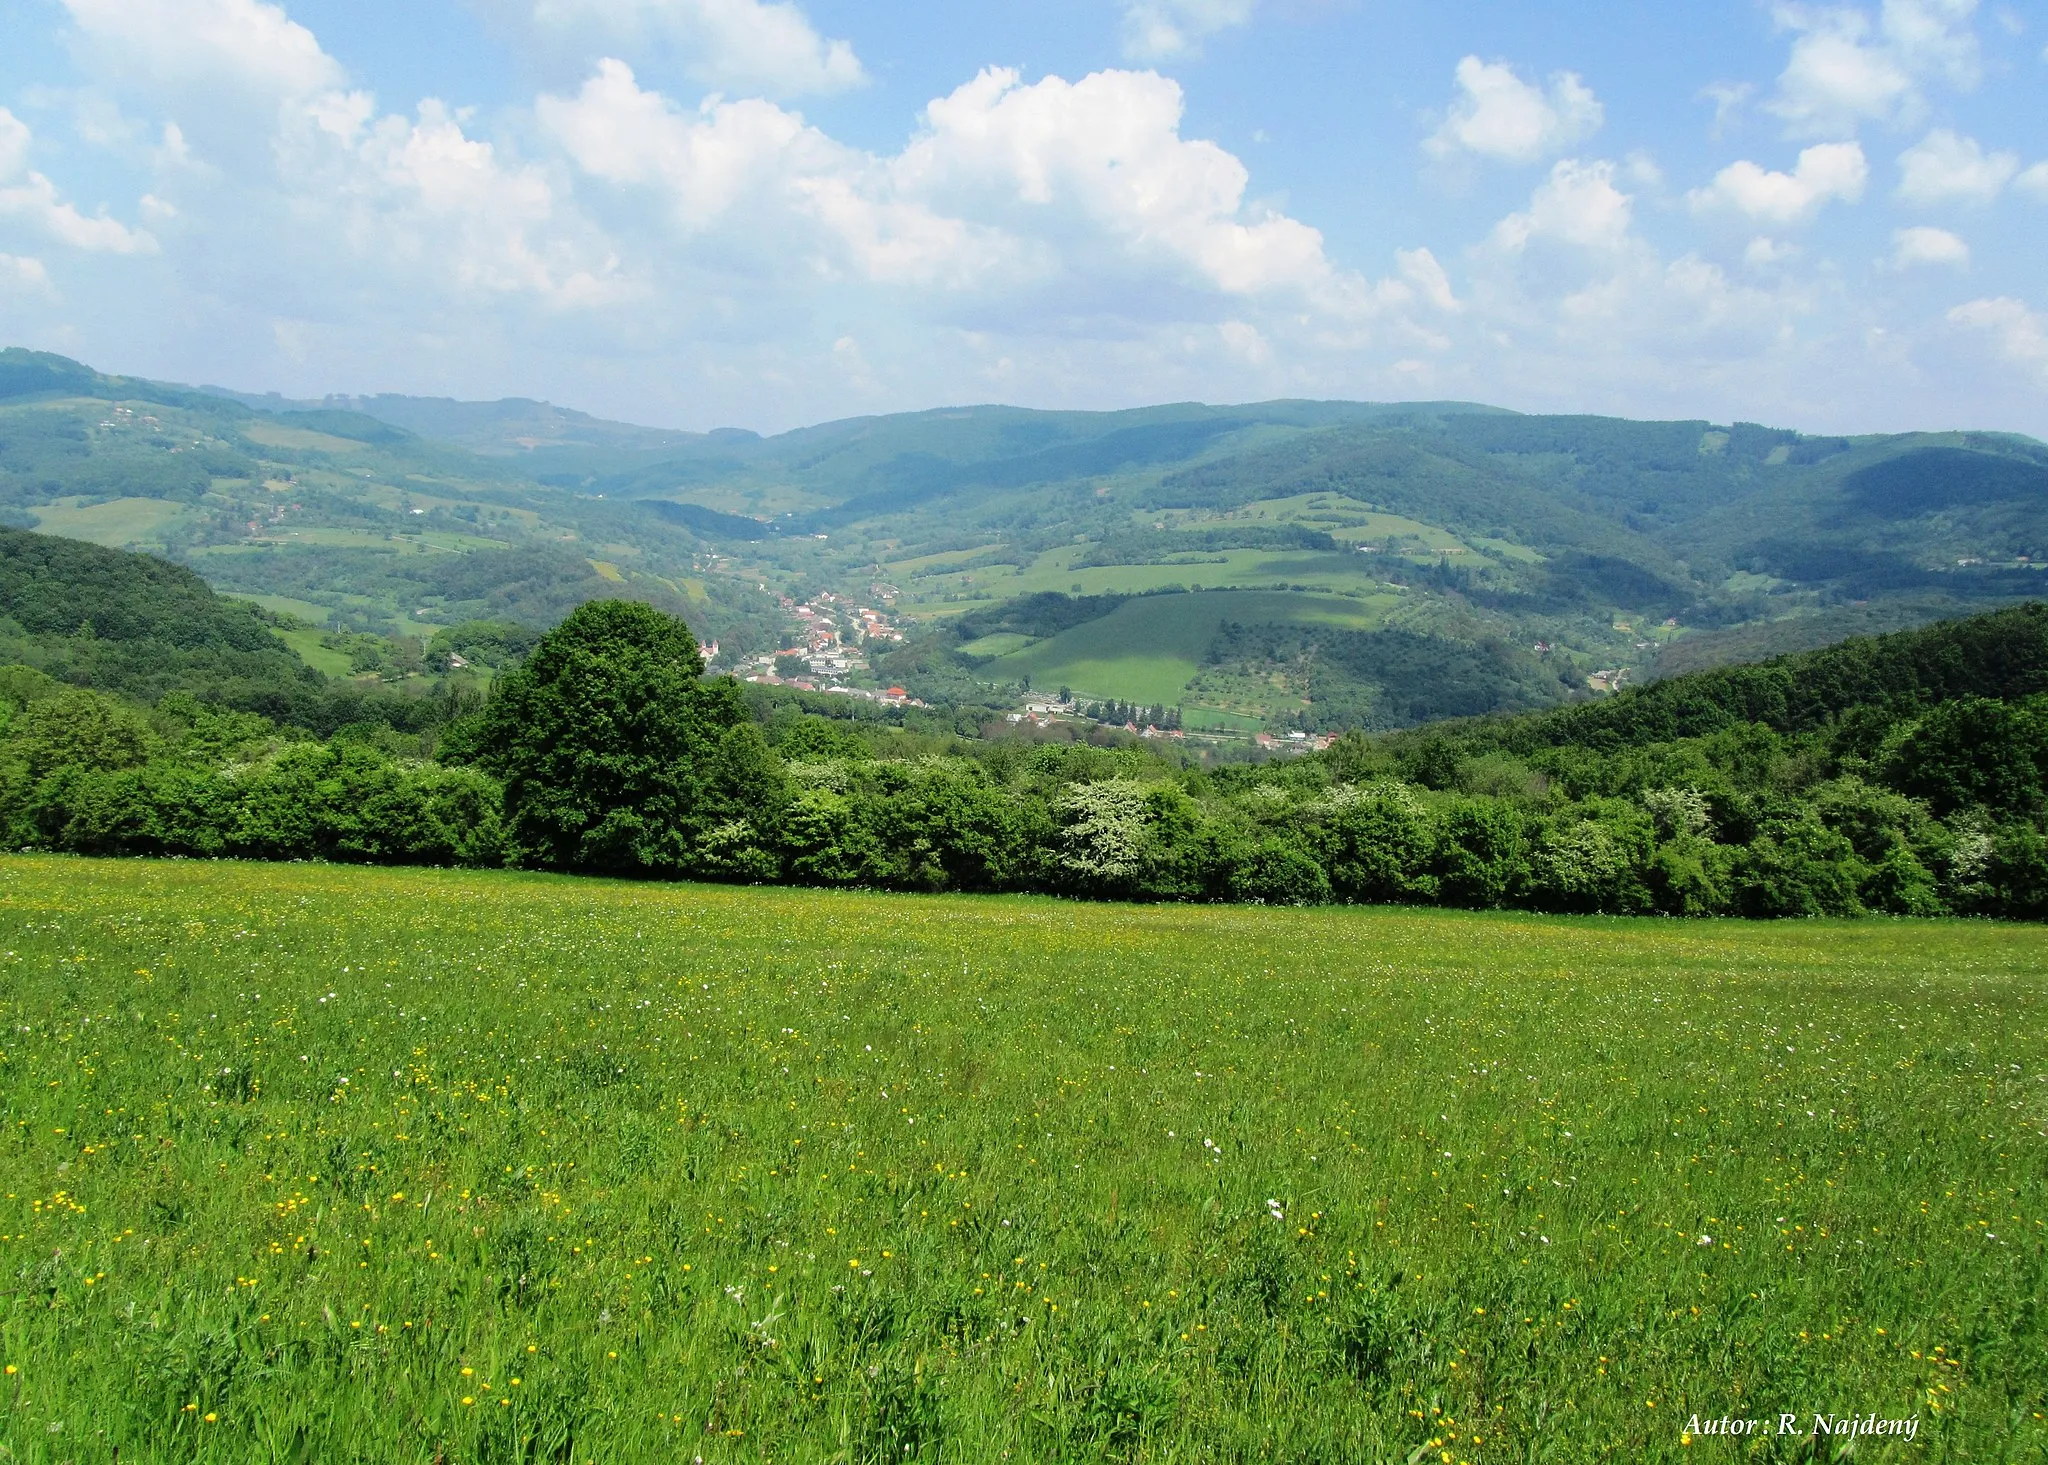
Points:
x=307, y=637
x=309, y=641
x=1345, y=519
x=304, y=610
x=1245, y=569
x=999, y=644
x=117, y=523
x=1150, y=649
x=305, y=1163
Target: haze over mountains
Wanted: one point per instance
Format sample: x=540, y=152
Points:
x=1280, y=564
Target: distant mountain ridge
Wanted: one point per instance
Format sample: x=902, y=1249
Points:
x=1332, y=559
x=511, y=425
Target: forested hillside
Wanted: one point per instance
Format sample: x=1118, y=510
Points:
x=1905, y=774
x=338, y=519
x=1279, y=566
x=143, y=629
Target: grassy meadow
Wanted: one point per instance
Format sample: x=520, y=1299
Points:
x=326, y=1164
x=1151, y=648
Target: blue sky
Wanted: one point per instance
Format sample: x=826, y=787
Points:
x=748, y=212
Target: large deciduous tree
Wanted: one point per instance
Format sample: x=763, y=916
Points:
x=615, y=752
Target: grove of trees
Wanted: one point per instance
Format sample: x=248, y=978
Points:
x=1904, y=775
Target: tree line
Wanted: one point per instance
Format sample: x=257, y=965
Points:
x=1904, y=775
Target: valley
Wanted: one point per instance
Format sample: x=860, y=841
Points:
x=1568, y=556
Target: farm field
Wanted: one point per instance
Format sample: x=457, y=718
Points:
x=117, y=523
x=306, y=1162
x=1240, y=569
x=1151, y=648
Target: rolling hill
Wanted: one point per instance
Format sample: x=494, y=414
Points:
x=1235, y=556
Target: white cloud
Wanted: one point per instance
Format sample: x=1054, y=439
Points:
x=1106, y=153
x=1729, y=98
x=446, y=202
x=14, y=144
x=36, y=202
x=1825, y=172
x=22, y=275
x=1763, y=251
x=754, y=44
x=731, y=173
x=1934, y=38
x=2034, y=180
x=704, y=162
x=1066, y=243
x=1246, y=342
x=243, y=43
x=1577, y=204
x=1165, y=30
x=33, y=200
x=1846, y=69
x=1421, y=270
x=1501, y=116
x=282, y=180
x=2017, y=332
x=1945, y=167
x=1922, y=245
x=1023, y=183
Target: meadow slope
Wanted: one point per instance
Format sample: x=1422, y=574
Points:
x=312, y=1163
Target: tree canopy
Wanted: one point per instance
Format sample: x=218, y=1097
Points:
x=611, y=744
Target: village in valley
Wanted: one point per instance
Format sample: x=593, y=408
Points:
x=831, y=655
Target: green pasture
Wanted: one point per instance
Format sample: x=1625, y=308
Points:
x=1249, y=569
x=121, y=523
x=309, y=642
x=1149, y=649
x=1342, y=518
x=327, y=1164
x=300, y=439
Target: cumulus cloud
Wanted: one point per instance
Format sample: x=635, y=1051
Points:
x=283, y=179
x=1763, y=251
x=1944, y=167
x=1825, y=172
x=1107, y=151
x=1426, y=276
x=749, y=167
x=1026, y=182
x=22, y=274
x=1063, y=242
x=2017, y=332
x=1847, y=69
x=33, y=201
x=1923, y=245
x=14, y=144
x=243, y=44
x=755, y=44
x=2034, y=180
x=1499, y=115
x=1165, y=30
x=1578, y=204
